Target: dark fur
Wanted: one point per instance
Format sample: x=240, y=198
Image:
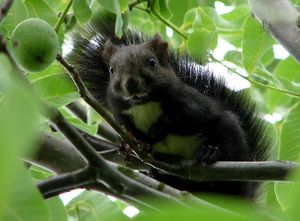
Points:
x=193, y=100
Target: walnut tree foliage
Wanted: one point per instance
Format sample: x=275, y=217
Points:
x=195, y=26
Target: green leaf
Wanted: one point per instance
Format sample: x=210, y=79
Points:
x=123, y=5
x=115, y=6
x=19, y=119
x=268, y=57
x=289, y=150
x=16, y=14
x=237, y=16
x=189, y=18
x=288, y=195
x=286, y=72
x=230, y=25
x=254, y=45
x=91, y=205
x=57, y=89
x=82, y=11
x=119, y=25
x=39, y=173
x=204, y=20
x=24, y=201
x=57, y=210
x=234, y=57
x=198, y=18
x=125, y=19
x=199, y=43
x=91, y=129
x=142, y=22
x=288, y=68
x=4, y=32
x=57, y=5
x=162, y=8
x=40, y=9
x=292, y=214
x=204, y=35
x=178, y=10
x=290, y=136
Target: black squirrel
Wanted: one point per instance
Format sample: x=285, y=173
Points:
x=170, y=102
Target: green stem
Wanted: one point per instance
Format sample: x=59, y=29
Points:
x=62, y=17
x=165, y=21
x=170, y=24
x=254, y=82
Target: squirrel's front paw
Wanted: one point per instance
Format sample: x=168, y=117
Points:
x=207, y=154
x=144, y=146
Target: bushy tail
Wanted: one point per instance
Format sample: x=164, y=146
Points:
x=87, y=58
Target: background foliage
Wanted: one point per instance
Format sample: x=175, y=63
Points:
x=192, y=25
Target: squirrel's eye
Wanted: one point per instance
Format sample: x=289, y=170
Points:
x=111, y=70
x=152, y=62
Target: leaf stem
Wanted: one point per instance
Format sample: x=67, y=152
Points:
x=254, y=82
x=62, y=17
x=163, y=20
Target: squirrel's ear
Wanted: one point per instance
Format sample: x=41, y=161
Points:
x=160, y=48
x=109, y=50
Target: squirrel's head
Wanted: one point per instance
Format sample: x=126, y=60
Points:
x=138, y=71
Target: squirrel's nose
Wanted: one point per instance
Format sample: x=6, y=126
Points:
x=132, y=85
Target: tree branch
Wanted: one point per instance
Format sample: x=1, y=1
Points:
x=280, y=19
x=57, y=155
x=79, y=110
x=58, y=184
x=232, y=170
x=118, y=182
x=84, y=178
x=60, y=156
x=65, y=159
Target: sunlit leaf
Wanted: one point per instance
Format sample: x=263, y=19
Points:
x=40, y=9
x=57, y=89
x=82, y=11
x=93, y=206
x=24, y=201
x=256, y=42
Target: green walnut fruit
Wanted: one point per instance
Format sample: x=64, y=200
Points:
x=34, y=44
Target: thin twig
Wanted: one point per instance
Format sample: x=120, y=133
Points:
x=254, y=82
x=163, y=20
